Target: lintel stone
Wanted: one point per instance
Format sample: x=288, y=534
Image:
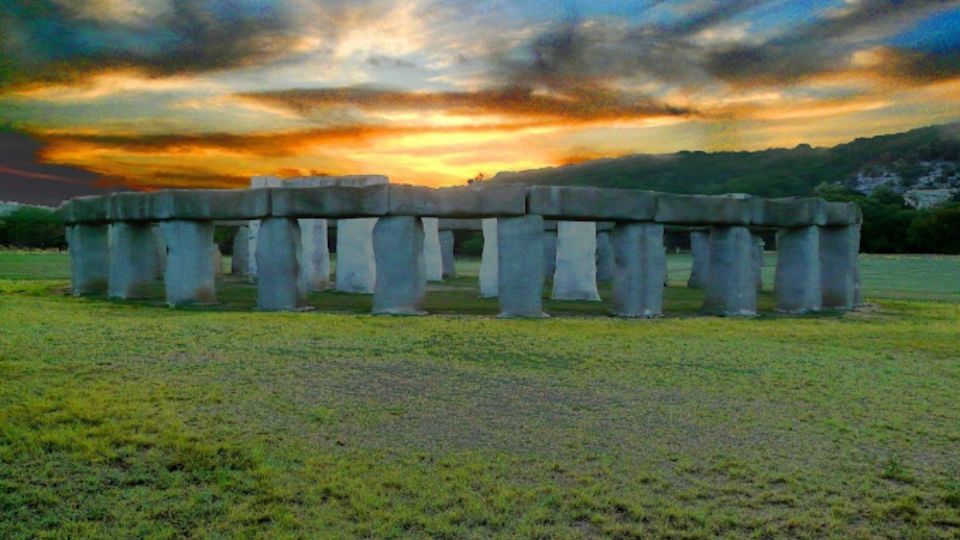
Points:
x=330, y=202
x=708, y=210
x=91, y=209
x=591, y=204
x=211, y=204
x=458, y=202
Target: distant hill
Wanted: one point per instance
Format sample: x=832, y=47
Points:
x=927, y=158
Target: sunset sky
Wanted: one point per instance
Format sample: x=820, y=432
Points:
x=206, y=93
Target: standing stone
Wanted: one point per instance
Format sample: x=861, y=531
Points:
x=758, y=260
x=254, y=228
x=315, y=254
x=488, y=260
x=279, y=285
x=446, y=253
x=89, y=247
x=401, y=268
x=576, y=274
x=161, y=246
x=731, y=284
x=797, y=281
x=217, y=260
x=356, y=266
x=189, y=275
x=839, y=248
x=606, y=266
x=639, y=269
x=133, y=260
x=549, y=254
x=239, y=262
x=520, y=267
x=432, y=256
x=700, y=253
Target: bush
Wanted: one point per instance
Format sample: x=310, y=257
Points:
x=936, y=231
x=31, y=227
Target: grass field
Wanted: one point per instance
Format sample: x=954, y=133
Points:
x=128, y=419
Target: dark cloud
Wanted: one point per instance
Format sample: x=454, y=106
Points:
x=826, y=44
x=26, y=179
x=599, y=53
x=582, y=104
x=46, y=41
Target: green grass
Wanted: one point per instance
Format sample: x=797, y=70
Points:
x=128, y=419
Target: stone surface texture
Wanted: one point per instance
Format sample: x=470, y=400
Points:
x=189, y=277
x=489, y=260
x=133, y=260
x=520, y=268
x=575, y=277
x=432, y=256
x=731, y=284
x=356, y=267
x=279, y=283
x=797, y=281
x=401, y=269
x=639, y=269
x=89, y=246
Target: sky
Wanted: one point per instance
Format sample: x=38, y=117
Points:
x=152, y=94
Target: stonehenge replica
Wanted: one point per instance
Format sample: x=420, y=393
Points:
x=391, y=240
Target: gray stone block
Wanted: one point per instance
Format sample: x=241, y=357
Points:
x=700, y=255
x=549, y=253
x=330, y=202
x=355, y=180
x=489, y=260
x=210, y=204
x=446, y=253
x=239, y=262
x=314, y=254
x=133, y=260
x=89, y=246
x=791, y=212
x=356, y=266
x=279, y=284
x=85, y=210
x=731, y=284
x=708, y=210
x=520, y=269
x=591, y=204
x=576, y=275
x=458, y=202
x=841, y=213
x=606, y=266
x=639, y=270
x=432, y=257
x=189, y=275
x=839, y=273
x=797, y=281
x=401, y=272
x=132, y=206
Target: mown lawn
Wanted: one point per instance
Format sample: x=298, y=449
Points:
x=124, y=419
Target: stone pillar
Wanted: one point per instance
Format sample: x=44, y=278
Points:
x=576, y=274
x=254, y=228
x=839, y=248
x=606, y=266
x=279, y=284
x=549, y=254
x=217, y=260
x=700, y=253
x=133, y=260
x=189, y=276
x=488, y=260
x=520, y=267
x=240, y=262
x=432, y=257
x=89, y=247
x=314, y=254
x=758, y=260
x=639, y=268
x=797, y=281
x=401, y=269
x=731, y=284
x=446, y=254
x=356, y=267
x=161, y=246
